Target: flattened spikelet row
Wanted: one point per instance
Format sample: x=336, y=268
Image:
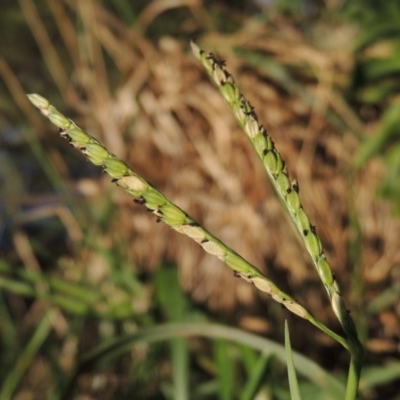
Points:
x=287, y=190
x=164, y=210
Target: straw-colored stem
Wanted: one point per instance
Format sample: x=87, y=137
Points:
x=164, y=210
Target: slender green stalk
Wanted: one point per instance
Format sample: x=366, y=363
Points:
x=164, y=210
x=288, y=193
x=293, y=382
x=26, y=356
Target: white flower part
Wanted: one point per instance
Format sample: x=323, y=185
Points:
x=218, y=75
x=338, y=306
x=252, y=127
x=296, y=308
x=277, y=298
x=214, y=248
x=262, y=284
x=194, y=232
x=196, y=49
x=133, y=182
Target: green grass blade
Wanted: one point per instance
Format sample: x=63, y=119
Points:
x=293, y=384
x=26, y=357
x=379, y=375
x=226, y=369
x=175, y=305
x=254, y=379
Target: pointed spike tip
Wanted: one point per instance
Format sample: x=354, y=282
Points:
x=195, y=49
x=38, y=101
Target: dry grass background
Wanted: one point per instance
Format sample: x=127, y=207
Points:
x=150, y=103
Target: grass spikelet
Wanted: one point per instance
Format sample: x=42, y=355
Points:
x=145, y=194
x=279, y=177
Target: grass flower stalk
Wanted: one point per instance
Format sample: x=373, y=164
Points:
x=166, y=211
x=288, y=192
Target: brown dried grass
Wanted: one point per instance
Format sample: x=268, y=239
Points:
x=169, y=122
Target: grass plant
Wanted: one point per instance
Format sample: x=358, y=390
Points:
x=166, y=211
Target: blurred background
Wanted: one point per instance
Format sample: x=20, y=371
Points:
x=81, y=265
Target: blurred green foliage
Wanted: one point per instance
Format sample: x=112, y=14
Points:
x=375, y=86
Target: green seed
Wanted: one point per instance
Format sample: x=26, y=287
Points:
x=313, y=244
x=38, y=101
x=282, y=184
x=270, y=161
x=115, y=167
x=230, y=92
x=293, y=201
x=78, y=136
x=302, y=220
x=260, y=142
x=172, y=215
x=58, y=119
x=325, y=272
x=280, y=165
x=247, y=107
x=206, y=61
x=154, y=199
x=270, y=143
x=237, y=263
x=273, y=162
x=97, y=154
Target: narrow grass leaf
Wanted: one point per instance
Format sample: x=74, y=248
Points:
x=293, y=384
x=25, y=359
x=174, y=303
x=255, y=378
x=388, y=128
x=379, y=375
x=226, y=369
